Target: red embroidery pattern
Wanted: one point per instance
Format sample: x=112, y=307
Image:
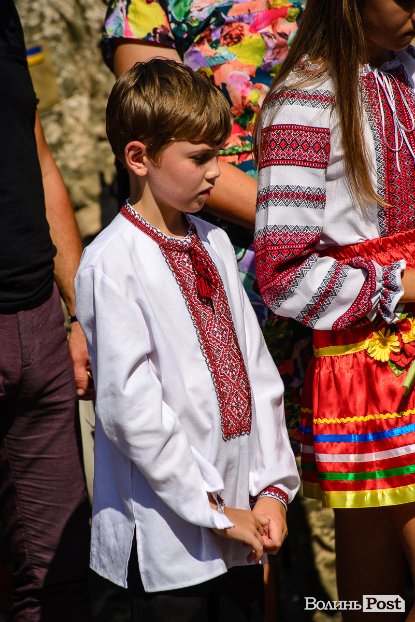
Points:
x=314, y=99
x=390, y=289
x=213, y=323
x=363, y=303
x=270, y=491
x=291, y=197
x=324, y=296
x=396, y=187
x=274, y=248
x=295, y=145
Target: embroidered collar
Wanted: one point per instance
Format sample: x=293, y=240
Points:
x=167, y=241
x=390, y=65
x=206, y=277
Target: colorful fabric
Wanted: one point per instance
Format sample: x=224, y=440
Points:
x=238, y=45
x=357, y=446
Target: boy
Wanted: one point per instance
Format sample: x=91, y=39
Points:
x=190, y=423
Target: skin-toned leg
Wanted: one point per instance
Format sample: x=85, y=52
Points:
x=403, y=517
x=369, y=559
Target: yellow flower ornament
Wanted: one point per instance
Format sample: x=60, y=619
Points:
x=382, y=343
x=409, y=336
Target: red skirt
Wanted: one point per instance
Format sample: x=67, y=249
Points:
x=358, y=420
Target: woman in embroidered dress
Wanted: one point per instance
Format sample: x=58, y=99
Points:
x=335, y=246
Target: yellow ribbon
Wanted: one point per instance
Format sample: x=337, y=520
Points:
x=349, y=348
x=360, y=498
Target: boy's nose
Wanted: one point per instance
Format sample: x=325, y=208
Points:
x=213, y=170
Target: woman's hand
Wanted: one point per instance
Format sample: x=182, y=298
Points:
x=408, y=284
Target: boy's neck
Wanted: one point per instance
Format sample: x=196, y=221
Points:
x=169, y=221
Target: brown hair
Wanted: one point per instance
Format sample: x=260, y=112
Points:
x=331, y=35
x=161, y=101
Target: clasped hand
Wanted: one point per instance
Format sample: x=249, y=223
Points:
x=263, y=529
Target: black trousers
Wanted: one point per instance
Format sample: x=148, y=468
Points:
x=237, y=596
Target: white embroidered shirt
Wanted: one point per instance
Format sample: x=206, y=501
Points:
x=188, y=401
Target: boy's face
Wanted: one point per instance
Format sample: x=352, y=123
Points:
x=184, y=176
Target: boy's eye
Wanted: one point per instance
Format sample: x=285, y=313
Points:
x=201, y=158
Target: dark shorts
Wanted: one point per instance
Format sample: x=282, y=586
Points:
x=237, y=596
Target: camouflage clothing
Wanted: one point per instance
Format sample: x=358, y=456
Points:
x=72, y=84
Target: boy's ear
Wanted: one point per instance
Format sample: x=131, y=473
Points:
x=135, y=156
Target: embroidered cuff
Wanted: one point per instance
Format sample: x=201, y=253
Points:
x=220, y=504
x=271, y=491
x=392, y=290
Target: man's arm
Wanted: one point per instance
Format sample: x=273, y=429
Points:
x=234, y=195
x=65, y=236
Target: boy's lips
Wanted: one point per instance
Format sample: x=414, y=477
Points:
x=206, y=192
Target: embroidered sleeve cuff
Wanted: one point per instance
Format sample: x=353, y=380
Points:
x=391, y=291
x=220, y=520
x=271, y=491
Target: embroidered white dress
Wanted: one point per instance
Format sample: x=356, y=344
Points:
x=337, y=268
x=176, y=413
x=305, y=207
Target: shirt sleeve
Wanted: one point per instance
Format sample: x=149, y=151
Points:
x=273, y=469
x=130, y=406
x=138, y=20
x=295, y=279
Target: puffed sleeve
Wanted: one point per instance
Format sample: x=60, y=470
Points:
x=295, y=279
x=139, y=20
x=129, y=401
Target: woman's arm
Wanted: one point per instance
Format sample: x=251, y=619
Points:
x=65, y=236
x=127, y=52
x=408, y=284
x=295, y=279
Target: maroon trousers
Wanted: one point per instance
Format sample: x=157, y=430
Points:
x=44, y=511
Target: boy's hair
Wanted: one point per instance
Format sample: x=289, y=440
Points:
x=160, y=102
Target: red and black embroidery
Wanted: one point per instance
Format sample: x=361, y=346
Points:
x=295, y=145
x=324, y=295
x=289, y=196
x=391, y=289
x=320, y=98
x=363, y=303
x=275, y=247
x=396, y=188
x=276, y=493
x=209, y=309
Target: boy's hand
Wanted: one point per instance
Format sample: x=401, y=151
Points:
x=277, y=532
x=249, y=528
